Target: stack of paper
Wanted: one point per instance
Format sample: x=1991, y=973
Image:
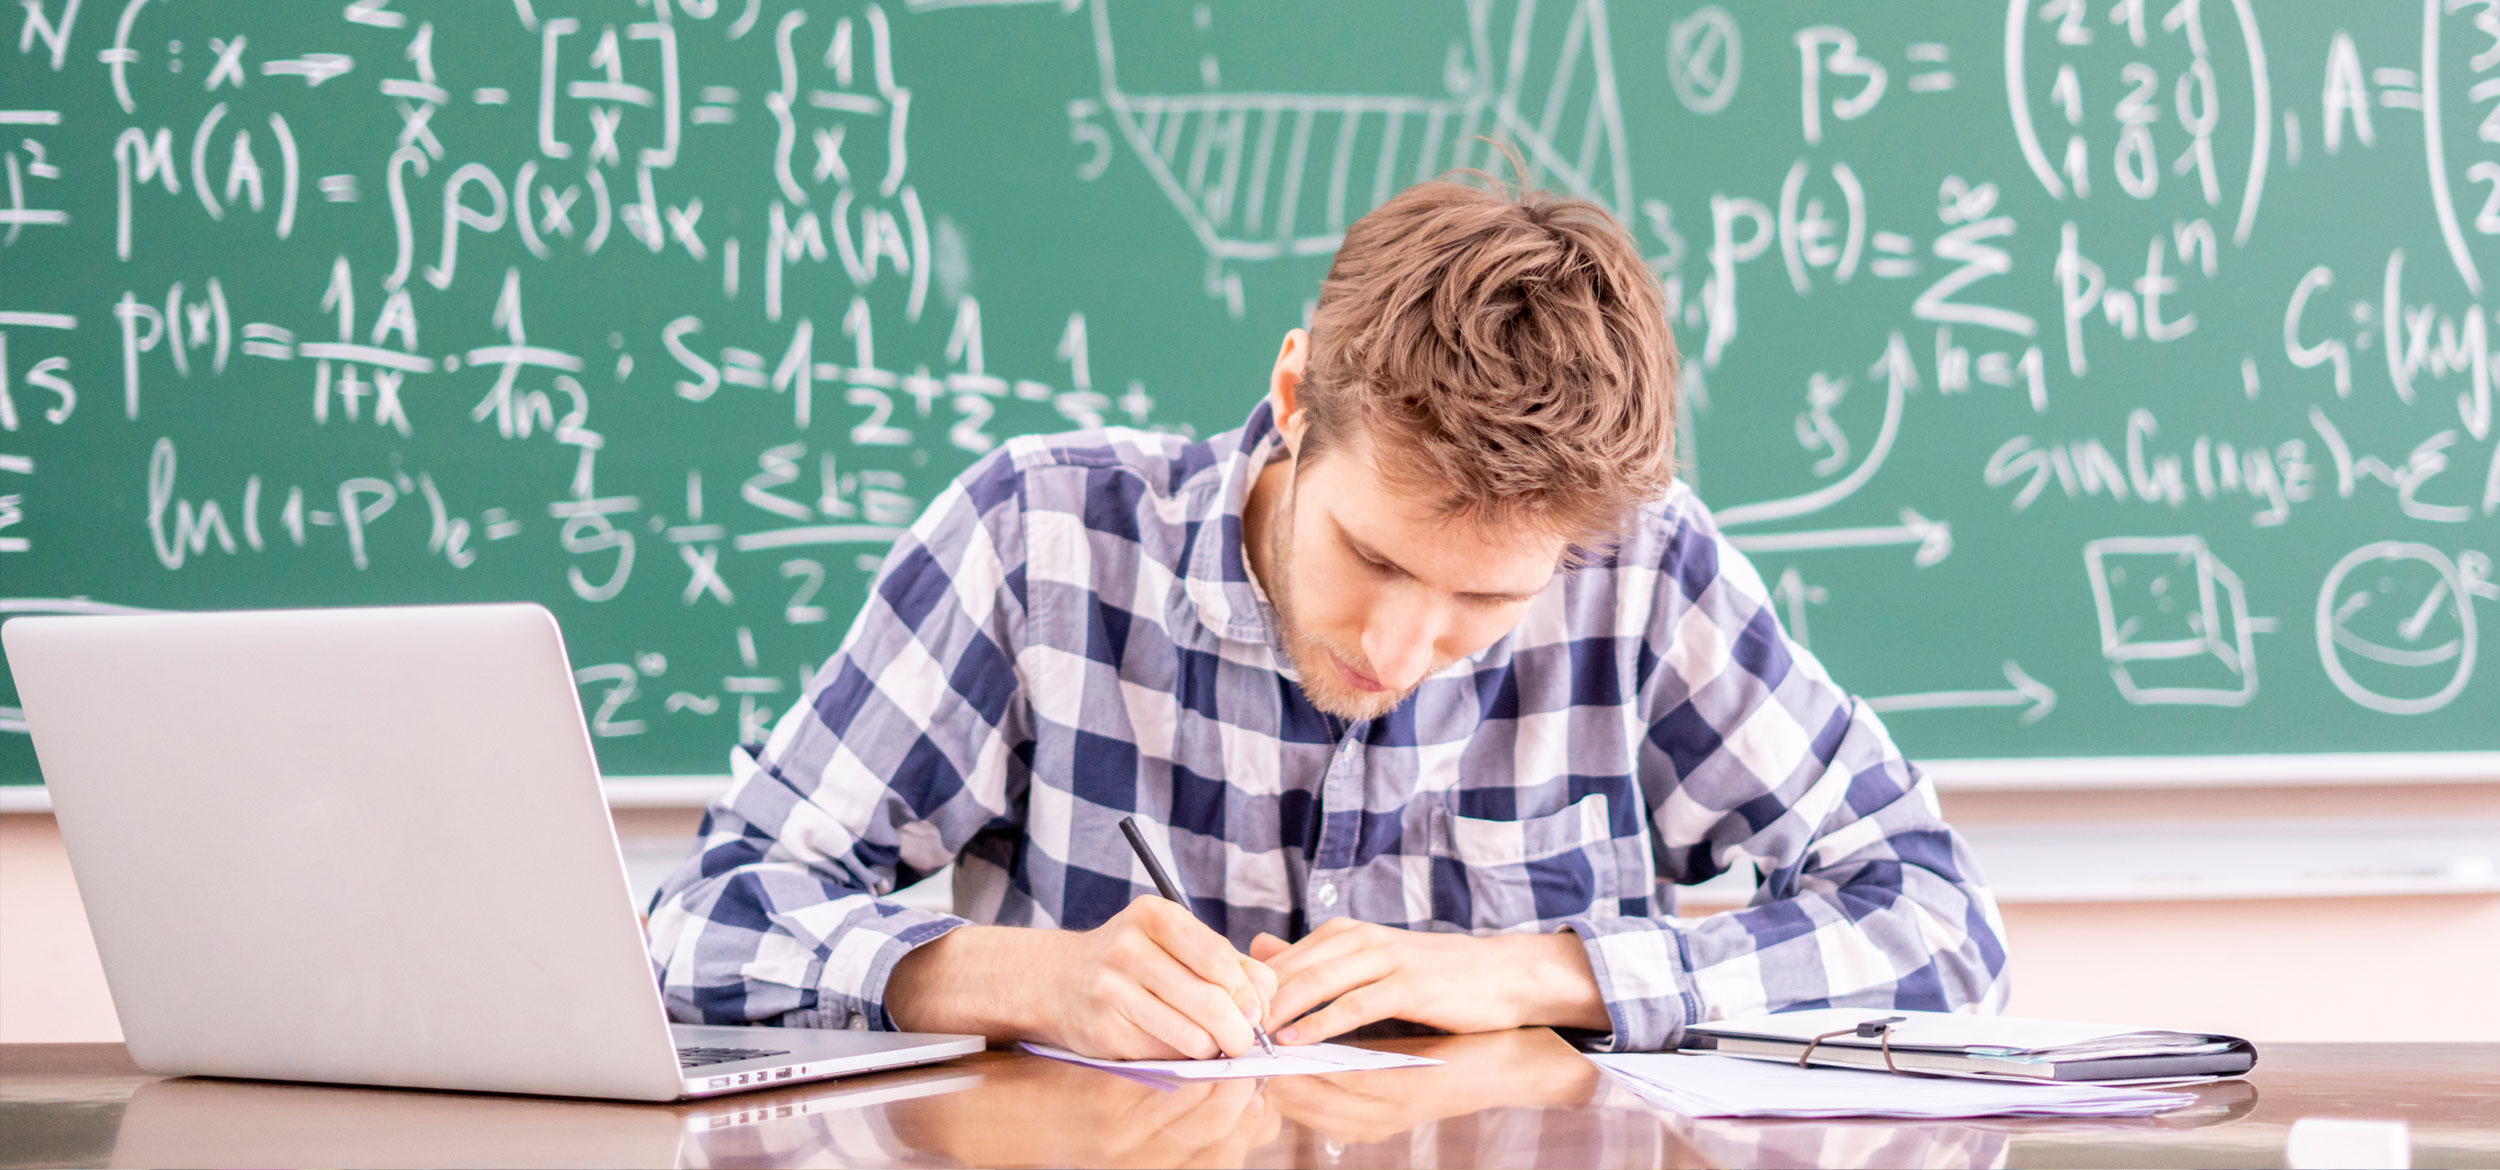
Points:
x=1721, y=1086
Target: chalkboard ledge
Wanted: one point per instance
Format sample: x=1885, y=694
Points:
x=2251, y=771
x=2008, y=775
x=623, y=792
x=664, y=791
x=2169, y=861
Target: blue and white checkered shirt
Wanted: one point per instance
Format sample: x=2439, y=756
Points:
x=1070, y=635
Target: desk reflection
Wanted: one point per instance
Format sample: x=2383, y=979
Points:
x=1499, y=1099
x=198, y=1121
x=1520, y=1098
x=1946, y=1145
x=1516, y=1099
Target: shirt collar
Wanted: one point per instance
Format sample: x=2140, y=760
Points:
x=1217, y=578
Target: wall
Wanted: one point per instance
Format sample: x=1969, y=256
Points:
x=2325, y=968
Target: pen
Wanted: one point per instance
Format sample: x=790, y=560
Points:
x=1171, y=891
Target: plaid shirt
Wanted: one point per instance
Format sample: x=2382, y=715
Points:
x=1070, y=635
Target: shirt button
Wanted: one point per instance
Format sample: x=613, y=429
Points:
x=1328, y=893
x=858, y=1024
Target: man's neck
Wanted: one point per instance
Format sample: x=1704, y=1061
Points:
x=1258, y=513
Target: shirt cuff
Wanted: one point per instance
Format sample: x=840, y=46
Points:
x=1645, y=975
x=852, y=983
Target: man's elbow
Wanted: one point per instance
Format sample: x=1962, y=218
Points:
x=1969, y=974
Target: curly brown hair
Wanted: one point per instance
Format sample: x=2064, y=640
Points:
x=1506, y=351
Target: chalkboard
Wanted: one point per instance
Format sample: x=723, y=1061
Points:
x=2085, y=379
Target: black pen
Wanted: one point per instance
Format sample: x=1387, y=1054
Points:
x=1171, y=892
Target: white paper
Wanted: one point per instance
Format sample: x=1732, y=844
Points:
x=1288, y=1061
x=1727, y=1086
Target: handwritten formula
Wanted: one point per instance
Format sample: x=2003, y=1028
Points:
x=2083, y=377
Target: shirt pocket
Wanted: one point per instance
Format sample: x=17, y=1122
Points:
x=1524, y=875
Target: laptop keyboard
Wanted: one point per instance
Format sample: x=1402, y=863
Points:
x=696, y=1056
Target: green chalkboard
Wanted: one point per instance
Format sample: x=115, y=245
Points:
x=2084, y=378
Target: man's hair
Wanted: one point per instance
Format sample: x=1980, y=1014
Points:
x=1506, y=352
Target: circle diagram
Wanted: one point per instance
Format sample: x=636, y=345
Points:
x=2396, y=627
x=1703, y=60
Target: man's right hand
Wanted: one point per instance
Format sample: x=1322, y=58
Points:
x=1153, y=983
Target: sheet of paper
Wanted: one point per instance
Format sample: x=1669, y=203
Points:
x=1727, y=1086
x=1288, y=1061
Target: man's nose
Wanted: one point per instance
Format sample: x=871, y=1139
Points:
x=1399, y=641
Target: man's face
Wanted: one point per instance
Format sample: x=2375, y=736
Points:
x=1373, y=591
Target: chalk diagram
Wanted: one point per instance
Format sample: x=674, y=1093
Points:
x=1705, y=56
x=2396, y=624
x=1263, y=175
x=2175, y=626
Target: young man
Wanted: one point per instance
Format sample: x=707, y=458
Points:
x=1430, y=679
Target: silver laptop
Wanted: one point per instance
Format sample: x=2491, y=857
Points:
x=369, y=846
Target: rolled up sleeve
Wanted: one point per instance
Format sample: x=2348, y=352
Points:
x=1755, y=758
x=901, y=750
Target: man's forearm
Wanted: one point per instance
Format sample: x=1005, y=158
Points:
x=976, y=979
x=1346, y=974
x=1552, y=983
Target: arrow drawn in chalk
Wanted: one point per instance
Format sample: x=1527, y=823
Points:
x=1900, y=373
x=1793, y=595
x=1934, y=538
x=2026, y=691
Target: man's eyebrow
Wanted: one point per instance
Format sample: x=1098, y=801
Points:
x=1369, y=553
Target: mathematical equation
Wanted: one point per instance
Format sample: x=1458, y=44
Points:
x=2149, y=137
x=2166, y=314
x=470, y=415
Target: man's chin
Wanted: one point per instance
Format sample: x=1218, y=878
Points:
x=1321, y=684
x=1350, y=704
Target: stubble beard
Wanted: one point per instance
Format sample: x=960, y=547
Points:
x=1310, y=654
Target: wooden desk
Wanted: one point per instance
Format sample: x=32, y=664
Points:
x=1503, y=1099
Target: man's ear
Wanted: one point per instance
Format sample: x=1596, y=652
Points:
x=1284, y=385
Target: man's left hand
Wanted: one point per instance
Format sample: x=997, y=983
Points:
x=1365, y=972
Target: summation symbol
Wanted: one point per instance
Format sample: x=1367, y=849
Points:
x=12, y=514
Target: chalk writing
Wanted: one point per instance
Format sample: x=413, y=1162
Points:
x=677, y=315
